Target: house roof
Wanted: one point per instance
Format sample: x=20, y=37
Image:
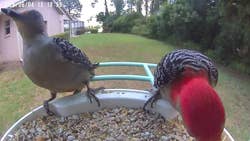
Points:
x=14, y=3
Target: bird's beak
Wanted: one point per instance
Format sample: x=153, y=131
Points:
x=11, y=13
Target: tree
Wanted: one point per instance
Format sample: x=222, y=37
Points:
x=152, y=6
x=106, y=8
x=119, y=5
x=146, y=6
x=233, y=41
x=155, y=6
x=139, y=6
x=100, y=17
x=105, y=4
x=131, y=4
x=125, y=22
x=73, y=7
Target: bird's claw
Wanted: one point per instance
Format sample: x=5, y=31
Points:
x=151, y=100
x=46, y=107
x=91, y=94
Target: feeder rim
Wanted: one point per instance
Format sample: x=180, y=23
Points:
x=108, y=94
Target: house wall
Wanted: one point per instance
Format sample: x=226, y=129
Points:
x=1, y=33
x=50, y=14
x=8, y=43
x=11, y=46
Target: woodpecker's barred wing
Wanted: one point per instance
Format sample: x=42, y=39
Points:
x=173, y=64
x=72, y=53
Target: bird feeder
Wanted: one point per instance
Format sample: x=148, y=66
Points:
x=109, y=98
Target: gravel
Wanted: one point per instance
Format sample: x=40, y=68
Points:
x=118, y=124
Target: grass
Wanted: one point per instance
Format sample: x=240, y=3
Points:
x=18, y=95
x=14, y=95
x=121, y=47
x=234, y=90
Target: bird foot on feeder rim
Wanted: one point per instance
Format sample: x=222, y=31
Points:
x=152, y=100
x=91, y=94
x=46, y=107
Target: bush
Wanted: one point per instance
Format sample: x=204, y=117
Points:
x=211, y=53
x=152, y=26
x=64, y=35
x=108, y=23
x=181, y=44
x=177, y=19
x=241, y=67
x=141, y=30
x=126, y=22
x=93, y=30
x=140, y=27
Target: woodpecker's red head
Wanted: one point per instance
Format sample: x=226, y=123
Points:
x=201, y=108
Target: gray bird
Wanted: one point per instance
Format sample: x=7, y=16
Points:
x=52, y=63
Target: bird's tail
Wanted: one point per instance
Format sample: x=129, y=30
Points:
x=95, y=65
x=92, y=69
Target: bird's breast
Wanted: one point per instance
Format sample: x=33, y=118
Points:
x=43, y=68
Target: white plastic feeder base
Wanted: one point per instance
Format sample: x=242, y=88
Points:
x=109, y=98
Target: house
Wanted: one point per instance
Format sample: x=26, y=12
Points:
x=56, y=21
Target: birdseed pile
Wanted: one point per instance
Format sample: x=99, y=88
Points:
x=118, y=124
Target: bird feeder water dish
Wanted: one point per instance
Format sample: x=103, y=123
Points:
x=109, y=98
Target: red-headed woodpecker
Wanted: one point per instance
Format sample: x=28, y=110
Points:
x=186, y=79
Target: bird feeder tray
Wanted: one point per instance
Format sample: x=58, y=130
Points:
x=109, y=98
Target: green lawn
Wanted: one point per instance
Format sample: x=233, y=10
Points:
x=18, y=95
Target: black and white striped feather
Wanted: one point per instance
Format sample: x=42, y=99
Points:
x=72, y=53
x=173, y=64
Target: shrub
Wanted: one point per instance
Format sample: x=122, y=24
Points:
x=211, y=53
x=108, y=23
x=141, y=30
x=64, y=35
x=241, y=67
x=140, y=27
x=93, y=30
x=177, y=19
x=152, y=25
x=183, y=44
x=126, y=22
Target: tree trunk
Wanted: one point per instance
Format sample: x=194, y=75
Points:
x=106, y=8
x=146, y=7
x=138, y=6
x=152, y=7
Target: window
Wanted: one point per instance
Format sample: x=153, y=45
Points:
x=66, y=25
x=7, y=27
x=78, y=24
